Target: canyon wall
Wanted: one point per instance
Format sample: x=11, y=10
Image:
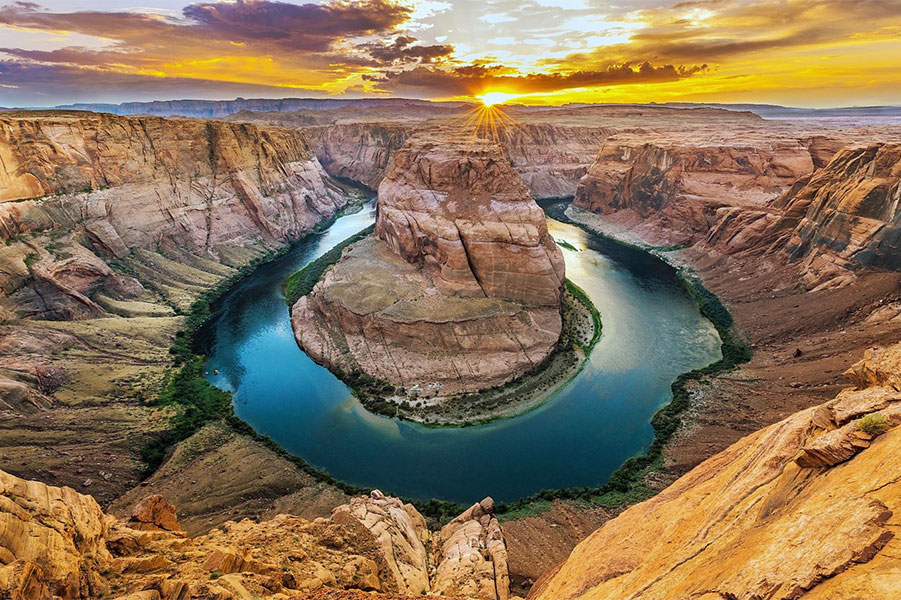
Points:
x=458, y=290
x=81, y=191
x=112, y=228
x=361, y=152
x=807, y=508
x=550, y=158
x=55, y=542
x=671, y=192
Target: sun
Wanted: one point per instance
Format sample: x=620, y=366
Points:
x=492, y=98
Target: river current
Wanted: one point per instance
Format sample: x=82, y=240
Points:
x=652, y=332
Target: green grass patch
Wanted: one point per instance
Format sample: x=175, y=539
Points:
x=582, y=297
x=567, y=245
x=302, y=282
x=874, y=424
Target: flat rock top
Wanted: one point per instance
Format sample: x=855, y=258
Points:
x=371, y=278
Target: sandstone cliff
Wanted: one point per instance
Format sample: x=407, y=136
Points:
x=105, y=217
x=57, y=543
x=848, y=213
x=806, y=508
x=358, y=151
x=78, y=190
x=458, y=290
x=671, y=192
x=550, y=158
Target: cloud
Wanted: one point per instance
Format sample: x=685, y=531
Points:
x=405, y=50
x=477, y=79
x=438, y=48
x=31, y=84
x=313, y=27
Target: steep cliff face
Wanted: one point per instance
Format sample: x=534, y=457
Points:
x=80, y=191
x=840, y=219
x=458, y=290
x=806, y=508
x=358, y=151
x=848, y=212
x=549, y=158
x=672, y=191
x=57, y=543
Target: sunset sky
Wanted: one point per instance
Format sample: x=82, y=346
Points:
x=791, y=52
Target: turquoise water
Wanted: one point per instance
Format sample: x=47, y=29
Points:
x=652, y=333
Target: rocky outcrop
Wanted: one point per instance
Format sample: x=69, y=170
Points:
x=471, y=556
x=79, y=191
x=52, y=542
x=400, y=532
x=847, y=213
x=458, y=290
x=57, y=543
x=358, y=151
x=806, y=508
x=672, y=192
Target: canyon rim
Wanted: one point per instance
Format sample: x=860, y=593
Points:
x=392, y=299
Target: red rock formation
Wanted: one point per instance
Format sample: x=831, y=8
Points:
x=792, y=511
x=459, y=290
x=107, y=185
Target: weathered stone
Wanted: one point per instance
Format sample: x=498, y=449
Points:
x=751, y=523
x=458, y=291
x=154, y=513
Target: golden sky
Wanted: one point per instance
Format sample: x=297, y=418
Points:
x=791, y=52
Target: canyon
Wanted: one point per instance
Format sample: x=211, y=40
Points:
x=458, y=289
x=115, y=225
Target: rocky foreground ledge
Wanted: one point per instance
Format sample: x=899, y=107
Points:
x=806, y=508
x=459, y=289
x=57, y=543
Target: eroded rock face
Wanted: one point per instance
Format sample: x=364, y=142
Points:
x=549, y=158
x=400, y=532
x=471, y=556
x=806, y=508
x=672, y=191
x=462, y=209
x=52, y=542
x=848, y=212
x=102, y=186
x=358, y=151
x=57, y=543
x=458, y=290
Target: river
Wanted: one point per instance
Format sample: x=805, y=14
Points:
x=652, y=332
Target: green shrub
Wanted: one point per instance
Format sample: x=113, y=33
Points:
x=874, y=424
x=301, y=283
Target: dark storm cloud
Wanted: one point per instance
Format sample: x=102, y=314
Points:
x=403, y=50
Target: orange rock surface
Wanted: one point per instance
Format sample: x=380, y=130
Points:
x=761, y=520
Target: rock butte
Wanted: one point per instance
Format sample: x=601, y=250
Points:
x=459, y=288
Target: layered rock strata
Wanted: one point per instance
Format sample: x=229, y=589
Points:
x=104, y=217
x=806, y=508
x=57, y=543
x=672, y=191
x=458, y=290
x=101, y=187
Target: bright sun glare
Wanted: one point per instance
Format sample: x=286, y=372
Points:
x=492, y=98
